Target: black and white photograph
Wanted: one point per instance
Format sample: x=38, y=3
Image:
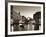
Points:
x=25, y=18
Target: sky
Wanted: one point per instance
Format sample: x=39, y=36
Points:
x=27, y=11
